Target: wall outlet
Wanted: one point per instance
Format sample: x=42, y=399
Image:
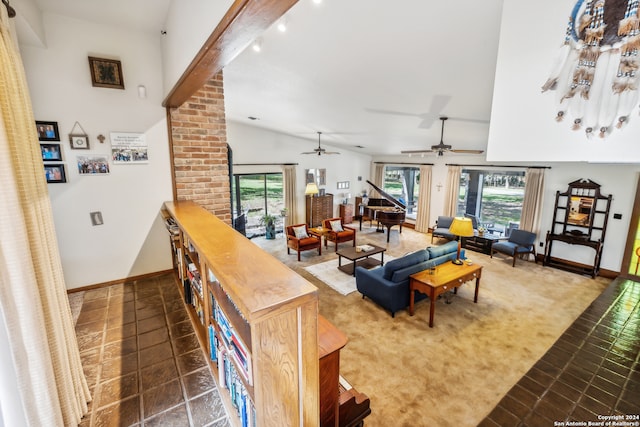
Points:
x=96, y=218
x=541, y=244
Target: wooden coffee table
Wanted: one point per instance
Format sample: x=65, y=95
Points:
x=447, y=276
x=359, y=258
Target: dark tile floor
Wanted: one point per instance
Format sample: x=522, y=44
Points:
x=593, y=370
x=142, y=359
x=145, y=368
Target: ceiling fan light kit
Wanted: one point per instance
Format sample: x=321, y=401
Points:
x=441, y=148
x=320, y=151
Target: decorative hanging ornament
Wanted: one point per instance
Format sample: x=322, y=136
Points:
x=595, y=74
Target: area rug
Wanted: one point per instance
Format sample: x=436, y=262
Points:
x=339, y=281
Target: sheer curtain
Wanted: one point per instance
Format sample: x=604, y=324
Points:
x=532, y=204
x=290, y=199
x=453, y=190
x=38, y=326
x=424, y=199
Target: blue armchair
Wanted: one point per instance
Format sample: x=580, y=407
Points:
x=520, y=242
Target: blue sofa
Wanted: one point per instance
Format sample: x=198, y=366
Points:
x=388, y=286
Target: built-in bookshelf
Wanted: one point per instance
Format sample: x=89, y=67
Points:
x=256, y=320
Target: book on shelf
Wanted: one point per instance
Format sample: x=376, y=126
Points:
x=234, y=346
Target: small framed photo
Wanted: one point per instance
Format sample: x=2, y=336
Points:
x=106, y=73
x=51, y=152
x=47, y=131
x=55, y=174
x=79, y=141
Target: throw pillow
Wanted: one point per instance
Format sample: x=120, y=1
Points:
x=300, y=232
x=336, y=225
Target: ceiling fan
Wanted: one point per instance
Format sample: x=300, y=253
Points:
x=438, y=102
x=320, y=151
x=441, y=148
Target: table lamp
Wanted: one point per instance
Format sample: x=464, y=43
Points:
x=461, y=227
x=311, y=190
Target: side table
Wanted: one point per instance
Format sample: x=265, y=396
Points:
x=447, y=276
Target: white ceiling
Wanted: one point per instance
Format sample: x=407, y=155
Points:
x=368, y=73
x=341, y=64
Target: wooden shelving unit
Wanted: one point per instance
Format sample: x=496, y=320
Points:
x=580, y=217
x=256, y=318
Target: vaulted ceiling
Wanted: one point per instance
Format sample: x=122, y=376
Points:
x=373, y=76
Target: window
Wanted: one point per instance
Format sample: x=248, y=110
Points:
x=253, y=196
x=494, y=197
x=403, y=183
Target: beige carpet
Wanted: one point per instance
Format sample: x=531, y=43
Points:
x=338, y=280
x=454, y=373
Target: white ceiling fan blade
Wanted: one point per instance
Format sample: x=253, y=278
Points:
x=416, y=151
x=397, y=113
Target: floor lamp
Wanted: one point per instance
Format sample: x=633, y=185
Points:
x=311, y=190
x=461, y=227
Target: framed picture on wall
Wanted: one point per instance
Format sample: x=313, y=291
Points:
x=106, y=73
x=55, y=174
x=47, y=131
x=51, y=152
x=79, y=141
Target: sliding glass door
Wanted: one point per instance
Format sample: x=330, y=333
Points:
x=403, y=183
x=254, y=195
x=494, y=197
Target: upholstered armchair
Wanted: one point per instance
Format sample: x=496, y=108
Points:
x=299, y=239
x=337, y=232
x=520, y=242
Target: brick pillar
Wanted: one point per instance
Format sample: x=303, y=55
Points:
x=199, y=143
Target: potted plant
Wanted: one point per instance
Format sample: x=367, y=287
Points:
x=269, y=223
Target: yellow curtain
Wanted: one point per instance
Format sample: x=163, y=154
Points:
x=290, y=199
x=36, y=316
x=453, y=190
x=424, y=199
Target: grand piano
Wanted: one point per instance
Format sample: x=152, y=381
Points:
x=386, y=211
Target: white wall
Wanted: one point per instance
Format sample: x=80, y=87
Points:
x=132, y=240
x=189, y=23
x=523, y=125
x=251, y=144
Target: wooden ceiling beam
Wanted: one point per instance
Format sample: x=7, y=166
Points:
x=245, y=21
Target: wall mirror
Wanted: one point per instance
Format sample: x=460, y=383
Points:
x=580, y=210
x=319, y=176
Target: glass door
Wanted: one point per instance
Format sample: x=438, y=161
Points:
x=631, y=260
x=255, y=195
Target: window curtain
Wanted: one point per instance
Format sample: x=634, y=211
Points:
x=290, y=199
x=453, y=190
x=532, y=204
x=378, y=173
x=39, y=336
x=424, y=200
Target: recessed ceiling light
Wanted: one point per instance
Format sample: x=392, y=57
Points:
x=282, y=24
x=257, y=45
x=359, y=146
